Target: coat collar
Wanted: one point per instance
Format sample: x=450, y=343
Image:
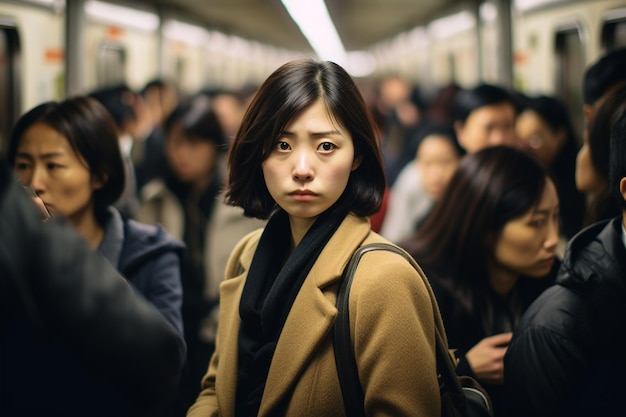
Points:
x=313, y=308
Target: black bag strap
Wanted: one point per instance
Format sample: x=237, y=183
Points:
x=351, y=391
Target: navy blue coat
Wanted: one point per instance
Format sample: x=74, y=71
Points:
x=150, y=259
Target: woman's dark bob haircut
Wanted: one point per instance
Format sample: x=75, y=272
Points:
x=91, y=133
x=288, y=91
x=490, y=188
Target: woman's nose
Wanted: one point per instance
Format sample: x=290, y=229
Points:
x=303, y=170
x=36, y=181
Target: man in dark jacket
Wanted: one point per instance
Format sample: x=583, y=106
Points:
x=566, y=357
x=75, y=338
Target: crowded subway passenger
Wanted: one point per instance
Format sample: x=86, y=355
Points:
x=182, y=191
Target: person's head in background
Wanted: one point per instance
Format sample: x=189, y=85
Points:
x=605, y=74
x=543, y=128
x=194, y=140
x=592, y=163
x=485, y=116
x=437, y=157
x=230, y=106
x=161, y=98
x=69, y=153
x=128, y=109
x=618, y=160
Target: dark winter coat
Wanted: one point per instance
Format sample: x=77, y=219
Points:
x=75, y=338
x=566, y=357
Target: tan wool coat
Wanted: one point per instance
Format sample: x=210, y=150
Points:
x=392, y=318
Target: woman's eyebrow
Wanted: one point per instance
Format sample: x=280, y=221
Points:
x=317, y=134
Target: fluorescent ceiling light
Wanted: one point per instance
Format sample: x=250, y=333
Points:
x=524, y=5
x=122, y=16
x=451, y=25
x=185, y=32
x=315, y=23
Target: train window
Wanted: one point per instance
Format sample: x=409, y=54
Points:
x=570, y=68
x=111, y=66
x=10, y=100
x=614, y=33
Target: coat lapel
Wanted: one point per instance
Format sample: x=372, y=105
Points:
x=313, y=313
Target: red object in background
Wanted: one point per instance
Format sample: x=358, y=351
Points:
x=377, y=218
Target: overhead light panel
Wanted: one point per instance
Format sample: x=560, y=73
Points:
x=122, y=16
x=314, y=21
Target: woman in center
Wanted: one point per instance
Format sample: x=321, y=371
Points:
x=307, y=157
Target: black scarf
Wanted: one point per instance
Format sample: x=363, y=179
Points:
x=273, y=282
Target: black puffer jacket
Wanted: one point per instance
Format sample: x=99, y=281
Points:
x=567, y=355
x=75, y=338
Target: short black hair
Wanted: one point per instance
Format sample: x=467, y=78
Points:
x=198, y=120
x=480, y=96
x=605, y=73
x=289, y=90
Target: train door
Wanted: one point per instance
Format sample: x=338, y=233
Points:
x=614, y=31
x=10, y=87
x=570, y=69
x=111, y=66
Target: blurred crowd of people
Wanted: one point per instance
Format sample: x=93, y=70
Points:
x=505, y=207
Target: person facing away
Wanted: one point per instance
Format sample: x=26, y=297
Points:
x=307, y=157
x=75, y=339
x=544, y=129
x=600, y=81
x=188, y=203
x=592, y=162
x=488, y=250
x=566, y=357
x=68, y=152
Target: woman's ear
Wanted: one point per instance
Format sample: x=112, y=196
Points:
x=98, y=181
x=357, y=162
x=622, y=188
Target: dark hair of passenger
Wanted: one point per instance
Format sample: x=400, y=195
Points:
x=118, y=101
x=443, y=130
x=198, y=121
x=459, y=237
x=554, y=113
x=90, y=132
x=618, y=154
x=605, y=73
x=602, y=205
x=480, y=96
x=288, y=91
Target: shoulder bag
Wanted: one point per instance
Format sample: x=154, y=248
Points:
x=461, y=396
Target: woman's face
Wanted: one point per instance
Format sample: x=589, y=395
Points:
x=46, y=161
x=536, y=136
x=437, y=159
x=527, y=244
x=310, y=164
x=191, y=159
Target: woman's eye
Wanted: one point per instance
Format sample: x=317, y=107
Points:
x=21, y=166
x=538, y=223
x=282, y=146
x=326, y=147
x=52, y=166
